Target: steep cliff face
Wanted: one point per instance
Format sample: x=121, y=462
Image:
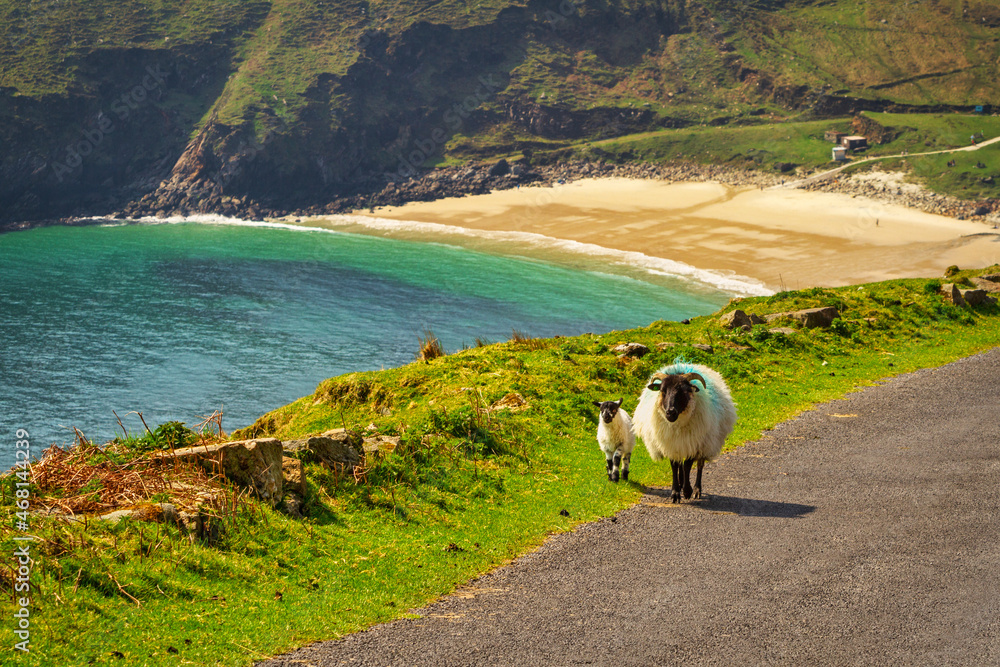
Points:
x=145, y=106
x=98, y=99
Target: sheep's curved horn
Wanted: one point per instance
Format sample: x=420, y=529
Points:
x=694, y=376
x=656, y=382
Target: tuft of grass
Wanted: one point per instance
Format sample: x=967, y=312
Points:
x=430, y=347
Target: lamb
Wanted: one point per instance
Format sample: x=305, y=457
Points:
x=615, y=437
x=685, y=423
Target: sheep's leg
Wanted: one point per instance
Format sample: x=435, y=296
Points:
x=677, y=469
x=697, y=481
x=687, y=478
x=610, y=465
x=625, y=463
x=617, y=465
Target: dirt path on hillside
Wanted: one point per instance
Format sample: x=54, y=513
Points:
x=833, y=172
x=863, y=532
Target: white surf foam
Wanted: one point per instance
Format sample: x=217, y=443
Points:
x=726, y=281
x=658, y=266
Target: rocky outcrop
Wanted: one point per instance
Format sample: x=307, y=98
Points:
x=630, y=350
x=736, y=319
x=381, y=444
x=892, y=188
x=968, y=297
x=989, y=283
x=336, y=449
x=953, y=294
x=810, y=318
x=250, y=464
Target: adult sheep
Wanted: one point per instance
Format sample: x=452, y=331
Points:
x=679, y=420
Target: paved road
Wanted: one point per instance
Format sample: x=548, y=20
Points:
x=865, y=532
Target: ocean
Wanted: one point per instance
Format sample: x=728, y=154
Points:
x=179, y=319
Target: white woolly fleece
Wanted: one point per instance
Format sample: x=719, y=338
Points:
x=699, y=432
x=616, y=436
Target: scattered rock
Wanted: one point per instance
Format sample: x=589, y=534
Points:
x=952, y=293
x=294, y=504
x=990, y=283
x=501, y=168
x=703, y=348
x=977, y=297
x=381, y=443
x=782, y=330
x=665, y=345
x=631, y=350
x=293, y=477
x=336, y=449
x=735, y=320
x=809, y=317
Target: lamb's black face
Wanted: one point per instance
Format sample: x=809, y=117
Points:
x=675, y=394
x=608, y=409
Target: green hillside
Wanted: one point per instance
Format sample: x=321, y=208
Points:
x=296, y=101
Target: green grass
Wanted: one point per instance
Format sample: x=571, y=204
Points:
x=466, y=490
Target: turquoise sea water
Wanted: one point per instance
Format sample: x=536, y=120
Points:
x=179, y=320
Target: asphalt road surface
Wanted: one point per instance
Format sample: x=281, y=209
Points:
x=865, y=532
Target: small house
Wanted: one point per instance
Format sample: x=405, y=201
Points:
x=839, y=154
x=833, y=136
x=854, y=142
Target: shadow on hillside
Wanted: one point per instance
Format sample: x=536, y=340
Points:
x=741, y=506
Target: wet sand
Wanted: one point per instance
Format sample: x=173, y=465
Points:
x=783, y=238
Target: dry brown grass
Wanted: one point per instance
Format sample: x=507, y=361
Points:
x=87, y=478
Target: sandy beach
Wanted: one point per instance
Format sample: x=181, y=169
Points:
x=783, y=238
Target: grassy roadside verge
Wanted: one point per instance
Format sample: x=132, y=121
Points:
x=468, y=487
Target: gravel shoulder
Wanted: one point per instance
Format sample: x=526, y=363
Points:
x=862, y=532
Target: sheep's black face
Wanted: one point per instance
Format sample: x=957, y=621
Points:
x=608, y=409
x=675, y=394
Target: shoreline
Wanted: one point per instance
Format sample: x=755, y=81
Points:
x=730, y=222
x=485, y=178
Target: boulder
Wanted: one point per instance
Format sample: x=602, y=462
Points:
x=631, y=350
x=336, y=449
x=736, y=319
x=783, y=330
x=951, y=292
x=250, y=464
x=809, y=317
x=977, y=297
x=381, y=443
x=990, y=283
x=292, y=476
x=500, y=168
